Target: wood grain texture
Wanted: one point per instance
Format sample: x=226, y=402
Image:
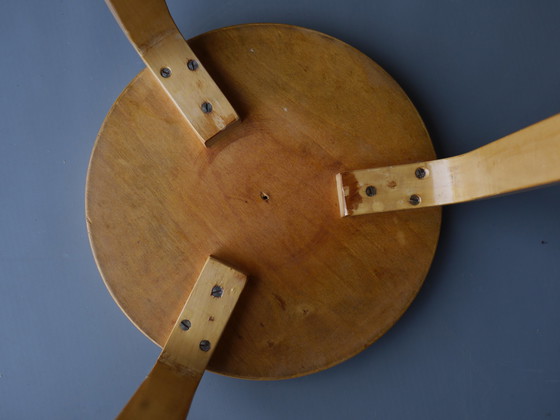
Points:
x=168, y=390
x=165, y=394
x=151, y=30
x=264, y=199
x=526, y=159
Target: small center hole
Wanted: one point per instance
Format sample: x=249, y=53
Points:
x=265, y=196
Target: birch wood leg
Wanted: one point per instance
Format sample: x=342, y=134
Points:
x=151, y=30
x=168, y=390
x=526, y=159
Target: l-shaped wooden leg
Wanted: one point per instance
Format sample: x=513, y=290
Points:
x=168, y=390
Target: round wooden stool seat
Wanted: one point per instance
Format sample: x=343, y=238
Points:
x=262, y=197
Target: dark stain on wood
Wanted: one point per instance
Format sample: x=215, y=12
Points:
x=281, y=301
x=353, y=198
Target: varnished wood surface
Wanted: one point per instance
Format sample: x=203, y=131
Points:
x=168, y=390
x=151, y=30
x=165, y=394
x=525, y=159
x=263, y=198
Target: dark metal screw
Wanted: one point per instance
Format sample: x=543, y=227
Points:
x=185, y=325
x=420, y=173
x=371, y=191
x=414, y=199
x=205, y=345
x=165, y=72
x=192, y=65
x=217, y=291
x=206, y=107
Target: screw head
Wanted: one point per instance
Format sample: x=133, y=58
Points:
x=192, y=65
x=217, y=291
x=414, y=199
x=420, y=173
x=371, y=191
x=205, y=345
x=165, y=72
x=206, y=107
x=185, y=325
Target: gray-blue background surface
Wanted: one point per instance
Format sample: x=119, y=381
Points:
x=482, y=340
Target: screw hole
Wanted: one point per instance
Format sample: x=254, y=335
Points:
x=265, y=196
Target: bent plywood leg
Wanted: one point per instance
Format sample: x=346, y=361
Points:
x=168, y=390
x=151, y=30
x=525, y=159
